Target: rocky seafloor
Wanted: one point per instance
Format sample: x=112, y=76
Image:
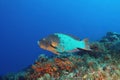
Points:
x=102, y=63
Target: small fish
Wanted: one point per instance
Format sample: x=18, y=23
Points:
x=59, y=43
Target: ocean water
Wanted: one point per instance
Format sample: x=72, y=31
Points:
x=24, y=22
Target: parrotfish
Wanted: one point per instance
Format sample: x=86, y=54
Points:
x=60, y=43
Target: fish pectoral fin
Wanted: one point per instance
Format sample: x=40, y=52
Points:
x=53, y=46
x=80, y=49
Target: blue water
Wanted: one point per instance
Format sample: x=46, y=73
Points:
x=24, y=22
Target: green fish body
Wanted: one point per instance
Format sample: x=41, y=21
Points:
x=59, y=43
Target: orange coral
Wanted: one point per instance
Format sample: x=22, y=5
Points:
x=53, y=69
x=41, y=69
x=64, y=64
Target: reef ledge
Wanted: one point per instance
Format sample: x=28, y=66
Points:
x=103, y=63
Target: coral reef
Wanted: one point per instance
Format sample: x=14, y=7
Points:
x=102, y=63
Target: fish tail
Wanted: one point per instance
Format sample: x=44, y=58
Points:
x=86, y=43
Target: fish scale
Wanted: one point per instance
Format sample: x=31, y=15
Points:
x=68, y=42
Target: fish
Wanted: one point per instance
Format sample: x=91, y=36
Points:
x=59, y=43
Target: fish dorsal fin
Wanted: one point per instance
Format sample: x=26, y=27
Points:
x=74, y=37
x=70, y=35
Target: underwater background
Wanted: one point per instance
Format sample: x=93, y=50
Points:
x=24, y=22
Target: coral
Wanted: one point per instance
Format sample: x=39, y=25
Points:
x=97, y=47
x=111, y=37
x=63, y=64
x=40, y=70
x=42, y=58
x=53, y=69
